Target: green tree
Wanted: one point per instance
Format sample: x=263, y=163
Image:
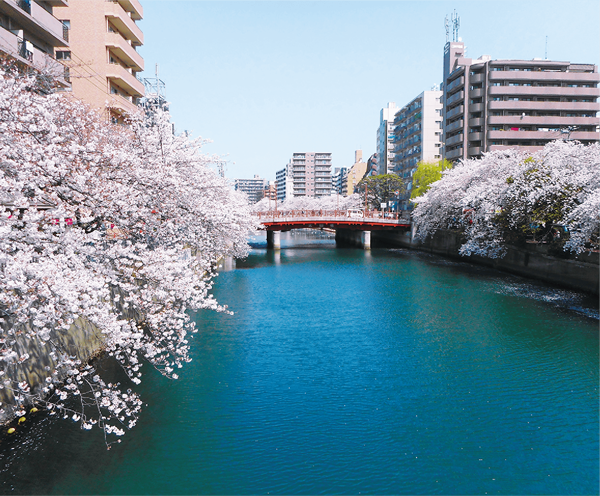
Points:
x=381, y=189
x=426, y=174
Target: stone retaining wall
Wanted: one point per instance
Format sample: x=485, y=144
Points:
x=580, y=272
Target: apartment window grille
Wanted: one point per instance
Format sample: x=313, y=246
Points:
x=25, y=5
x=25, y=50
x=66, y=27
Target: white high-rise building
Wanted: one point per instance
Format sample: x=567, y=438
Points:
x=285, y=182
x=385, y=139
x=417, y=136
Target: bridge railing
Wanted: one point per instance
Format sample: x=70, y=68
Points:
x=357, y=215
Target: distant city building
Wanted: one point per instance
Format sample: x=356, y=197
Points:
x=270, y=191
x=104, y=61
x=32, y=35
x=285, y=182
x=355, y=174
x=373, y=165
x=385, y=138
x=338, y=178
x=498, y=104
x=417, y=137
x=254, y=187
x=311, y=174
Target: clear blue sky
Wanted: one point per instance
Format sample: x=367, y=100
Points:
x=263, y=80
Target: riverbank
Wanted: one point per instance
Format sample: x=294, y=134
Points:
x=579, y=272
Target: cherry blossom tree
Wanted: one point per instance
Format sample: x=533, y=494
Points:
x=509, y=196
x=333, y=202
x=118, y=228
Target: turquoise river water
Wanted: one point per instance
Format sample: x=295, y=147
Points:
x=344, y=371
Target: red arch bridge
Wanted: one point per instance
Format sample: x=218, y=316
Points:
x=349, y=225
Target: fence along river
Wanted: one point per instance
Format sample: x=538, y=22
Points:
x=351, y=371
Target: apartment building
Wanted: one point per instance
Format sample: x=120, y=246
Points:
x=254, y=188
x=385, y=138
x=32, y=35
x=338, y=179
x=417, y=136
x=311, y=174
x=498, y=104
x=355, y=174
x=284, y=180
x=104, y=61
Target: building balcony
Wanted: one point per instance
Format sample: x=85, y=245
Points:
x=125, y=80
x=459, y=124
x=454, y=154
x=455, y=111
x=530, y=76
x=547, y=106
x=28, y=54
x=34, y=18
x=544, y=91
x=122, y=49
x=474, y=151
x=478, y=121
x=457, y=97
x=549, y=134
x=125, y=24
x=477, y=78
x=121, y=105
x=132, y=6
x=529, y=149
x=476, y=107
x=475, y=136
x=544, y=121
x=457, y=83
x=476, y=93
x=454, y=139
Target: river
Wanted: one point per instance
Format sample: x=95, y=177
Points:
x=352, y=372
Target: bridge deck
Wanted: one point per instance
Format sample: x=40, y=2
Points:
x=333, y=219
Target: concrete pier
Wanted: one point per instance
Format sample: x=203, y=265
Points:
x=351, y=237
x=274, y=240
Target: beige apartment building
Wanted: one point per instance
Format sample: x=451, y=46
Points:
x=354, y=174
x=30, y=33
x=498, y=104
x=103, y=57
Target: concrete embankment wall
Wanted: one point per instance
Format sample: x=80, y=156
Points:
x=580, y=272
x=83, y=340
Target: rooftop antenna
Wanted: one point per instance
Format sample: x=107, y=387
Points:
x=455, y=25
x=546, y=52
x=447, y=26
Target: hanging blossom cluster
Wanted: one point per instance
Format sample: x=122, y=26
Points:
x=118, y=229
x=509, y=197
x=334, y=202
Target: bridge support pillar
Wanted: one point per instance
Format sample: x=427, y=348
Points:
x=366, y=240
x=274, y=240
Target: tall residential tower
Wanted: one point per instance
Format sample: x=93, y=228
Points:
x=497, y=104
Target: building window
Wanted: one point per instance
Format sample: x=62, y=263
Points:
x=63, y=55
